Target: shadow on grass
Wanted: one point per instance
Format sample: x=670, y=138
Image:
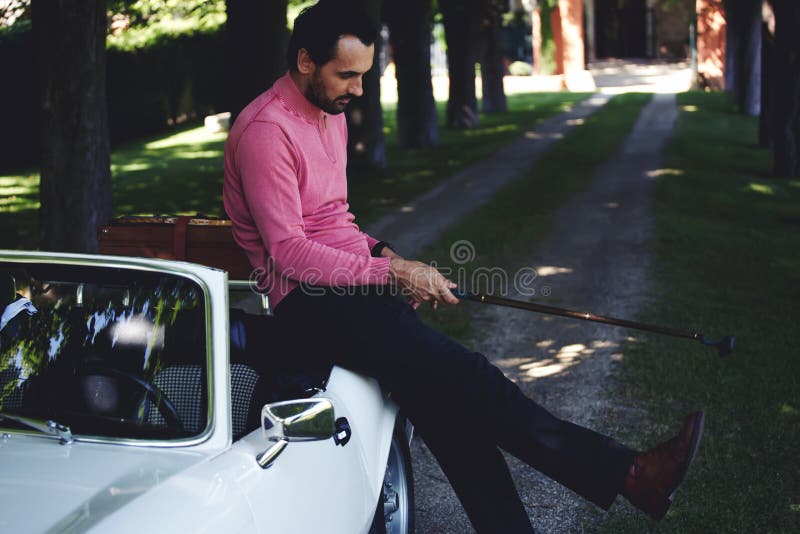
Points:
x=20, y=229
x=180, y=173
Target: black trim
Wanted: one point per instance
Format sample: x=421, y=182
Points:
x=378, y=248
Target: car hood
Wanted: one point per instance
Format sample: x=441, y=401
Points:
x=49, y=486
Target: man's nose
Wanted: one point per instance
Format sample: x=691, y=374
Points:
x=356, y=88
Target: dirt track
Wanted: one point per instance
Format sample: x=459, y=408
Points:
x=596, y=259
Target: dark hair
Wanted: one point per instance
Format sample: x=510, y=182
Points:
x=318, y=29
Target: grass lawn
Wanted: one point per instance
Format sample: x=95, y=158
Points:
x=181, y=172
x=727, y=250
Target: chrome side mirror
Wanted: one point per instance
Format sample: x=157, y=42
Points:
x=295, y=420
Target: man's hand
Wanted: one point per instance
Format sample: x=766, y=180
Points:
x=421, y=282
x=387, y=252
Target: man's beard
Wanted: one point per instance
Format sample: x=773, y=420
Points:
x=316, y=95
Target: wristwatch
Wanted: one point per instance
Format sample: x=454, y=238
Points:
x=378, y=248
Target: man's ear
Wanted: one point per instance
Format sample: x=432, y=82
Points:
x=305, y=65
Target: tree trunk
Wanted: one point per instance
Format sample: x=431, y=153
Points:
x=460, y=21
x=767, y=83
x=750, y=63
x=410, y=39
x=732, y=38
x=255, y=49
x=75, y=190
x=743, y=54
x=366, y=146
x=786, y=115
x=536, y=39
x=492, y=68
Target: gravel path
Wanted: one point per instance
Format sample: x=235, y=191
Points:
x=595, y=259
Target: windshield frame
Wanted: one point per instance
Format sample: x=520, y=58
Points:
x=173, y=268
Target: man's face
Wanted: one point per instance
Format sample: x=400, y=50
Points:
x=338, y=81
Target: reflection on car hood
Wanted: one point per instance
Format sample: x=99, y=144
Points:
x=49, y=486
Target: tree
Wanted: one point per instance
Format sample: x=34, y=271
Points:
x=460, y=30
x=255, y=49
x=743, y=53
x=410, y=38
x=767, y=77
x=366, y=146
x=492, y=68
x=785, y=118
x=75, y=190
x=13, y=10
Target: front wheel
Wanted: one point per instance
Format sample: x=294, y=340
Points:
x=395, y=513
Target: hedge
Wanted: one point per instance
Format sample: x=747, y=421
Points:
x=177, y=78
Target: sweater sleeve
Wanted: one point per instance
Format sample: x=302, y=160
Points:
x=267, y=164
x=371, y=241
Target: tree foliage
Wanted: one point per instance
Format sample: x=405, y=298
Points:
x=15, y=16
x=142, y=23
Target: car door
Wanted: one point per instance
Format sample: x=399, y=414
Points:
x=320, y=486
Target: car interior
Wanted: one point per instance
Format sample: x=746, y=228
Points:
x=115, y=355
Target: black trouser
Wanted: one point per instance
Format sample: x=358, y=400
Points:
x=462, y=405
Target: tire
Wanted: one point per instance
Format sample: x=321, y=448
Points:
x=395, y=512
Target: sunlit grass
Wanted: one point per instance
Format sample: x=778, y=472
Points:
x=179, y=173
x=478, y=132
x=19, y=191
x=762, y=189
x=190, y=137
x=19, y=202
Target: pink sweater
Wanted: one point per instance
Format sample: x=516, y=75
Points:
x=285, y=191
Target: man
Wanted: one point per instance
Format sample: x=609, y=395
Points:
x=286, y=192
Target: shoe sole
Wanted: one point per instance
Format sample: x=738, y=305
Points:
x=697, y=433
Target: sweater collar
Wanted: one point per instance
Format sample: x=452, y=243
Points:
x=290, y=95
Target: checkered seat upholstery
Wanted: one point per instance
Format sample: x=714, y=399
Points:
x=182, y=384
x=182, y=380
x=11, y=389
x=259, y=375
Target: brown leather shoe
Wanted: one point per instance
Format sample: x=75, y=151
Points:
x=655, y=475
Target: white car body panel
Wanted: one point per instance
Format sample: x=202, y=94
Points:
x=372, y=422
x=204, y=485
x=47, y=486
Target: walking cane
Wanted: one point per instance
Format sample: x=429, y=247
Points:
x=724, y=346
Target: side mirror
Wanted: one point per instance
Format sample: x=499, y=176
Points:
x=296, y=420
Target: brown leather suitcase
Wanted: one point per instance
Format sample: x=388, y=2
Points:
x=194, y=239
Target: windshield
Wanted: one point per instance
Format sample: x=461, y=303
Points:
x=105, y=351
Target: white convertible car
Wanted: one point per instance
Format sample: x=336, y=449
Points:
x=145, y=395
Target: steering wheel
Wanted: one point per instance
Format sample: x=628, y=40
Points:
x=164, y=406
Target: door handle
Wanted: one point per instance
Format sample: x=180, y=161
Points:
x=343, y=431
